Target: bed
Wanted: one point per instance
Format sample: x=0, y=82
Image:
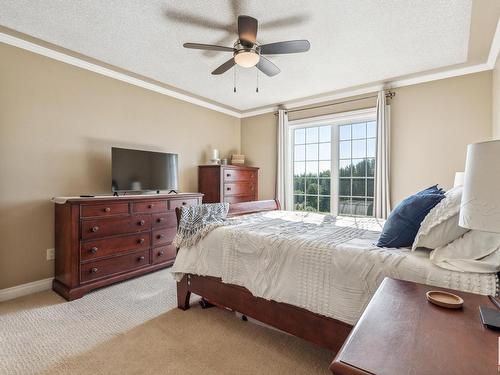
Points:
x=308, y=274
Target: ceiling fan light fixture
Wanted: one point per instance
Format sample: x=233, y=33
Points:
x=246, y=58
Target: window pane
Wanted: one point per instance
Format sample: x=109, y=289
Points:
x=359, y=130
x=325, y=133
x=345, y=150
x=369, y=207
x=345, y=186
x=345, y=206
x=359, y=168
x=359, y=148
x=370, y=148
x=324, y=169
x=312, y=152
x=312, y=186
x=371, y=129
x=299, y=169
x=345, y=168
x=311, y=135
x=370, y=167
x=300, y=153
x=358, y=206
x=311, y=203
x=324, y=204
x=358, y=187
x=324, y=186
x=311, y=168
x=299, y=185
x=300, y=136
x=369, y=187
x=298, y=202
x=325, y=151
x=344, y=132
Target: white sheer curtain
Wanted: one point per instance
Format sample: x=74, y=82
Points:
x=382, y=202
x=281, y=158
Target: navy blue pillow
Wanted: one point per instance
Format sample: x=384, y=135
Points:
x=404, y=221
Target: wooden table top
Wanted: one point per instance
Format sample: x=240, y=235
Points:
x=400, y=332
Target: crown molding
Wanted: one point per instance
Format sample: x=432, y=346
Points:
x=59, y=56
x=339, y=94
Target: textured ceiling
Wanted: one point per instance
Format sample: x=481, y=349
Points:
x=352, y=42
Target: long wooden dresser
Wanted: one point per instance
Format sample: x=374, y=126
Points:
x=103, y=240
x=228, y=183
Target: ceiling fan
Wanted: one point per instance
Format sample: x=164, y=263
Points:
x=247, y=52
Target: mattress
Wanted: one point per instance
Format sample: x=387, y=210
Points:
x=327, y=265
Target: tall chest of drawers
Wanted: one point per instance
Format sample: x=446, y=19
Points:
x=100, y=241
x=228, y=183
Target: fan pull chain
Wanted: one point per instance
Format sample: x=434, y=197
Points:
x=234, y=80
x=257, y=86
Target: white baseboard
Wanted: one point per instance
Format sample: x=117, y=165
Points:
x=25, y=289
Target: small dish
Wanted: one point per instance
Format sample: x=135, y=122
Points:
x=444, y=299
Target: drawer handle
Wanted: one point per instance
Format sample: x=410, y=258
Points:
x=94, y=229
x=228, y=175
x=141, y=258
x=142, y=222
x=228, y=188
x=150, y=205
x=94, y=270
x=141, y=240
x=184, y=203
x=160, y=219
x=93, y=250
x=160, y=253
x=107, y=209
x=160, y=236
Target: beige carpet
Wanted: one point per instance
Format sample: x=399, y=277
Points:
x=135, y=333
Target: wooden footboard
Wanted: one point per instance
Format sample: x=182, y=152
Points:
x=318, y=329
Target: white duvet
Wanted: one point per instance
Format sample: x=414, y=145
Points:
x=324, y=264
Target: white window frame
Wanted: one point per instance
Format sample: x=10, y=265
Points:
x=336, y=119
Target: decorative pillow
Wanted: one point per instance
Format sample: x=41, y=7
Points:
x=404, y=221
x=475, y=251
x=440, y=226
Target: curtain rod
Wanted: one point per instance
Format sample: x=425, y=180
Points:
x=389, y=94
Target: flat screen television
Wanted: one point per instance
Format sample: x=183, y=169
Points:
x=142, y=171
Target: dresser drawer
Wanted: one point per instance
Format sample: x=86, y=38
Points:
x=109, y=227
x=110, y=209
x=107, y=267
x=109, y=246
x=165, y=220
x=163, y=236
x=239, y=188
x=239, y=198
x=239, y=175
x=150, y=206
x=164, y=254
x=174, y=203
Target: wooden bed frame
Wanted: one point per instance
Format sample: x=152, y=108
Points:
x=317, y=329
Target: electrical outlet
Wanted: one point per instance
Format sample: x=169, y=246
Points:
x=51, y=254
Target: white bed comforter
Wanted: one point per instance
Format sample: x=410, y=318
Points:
x=324, y=264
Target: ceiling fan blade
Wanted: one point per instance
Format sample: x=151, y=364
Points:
x=209, y=47
x=290, y=46
x=267, y=67
x=224, y=67
x=247, y=29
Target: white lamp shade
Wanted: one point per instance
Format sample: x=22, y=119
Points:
x=480, y=208
x=459, y=179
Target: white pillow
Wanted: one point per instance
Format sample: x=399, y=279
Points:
x=440, y=226
x=475, y=251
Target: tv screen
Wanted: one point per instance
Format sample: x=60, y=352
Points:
x=136, y=170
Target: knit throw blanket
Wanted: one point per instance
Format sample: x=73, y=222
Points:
x=197, y=221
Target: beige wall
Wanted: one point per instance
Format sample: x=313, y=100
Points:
x=496, y=100
x=432, y=123
x=57, y=124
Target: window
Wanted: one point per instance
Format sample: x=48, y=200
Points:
x=332, y=164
